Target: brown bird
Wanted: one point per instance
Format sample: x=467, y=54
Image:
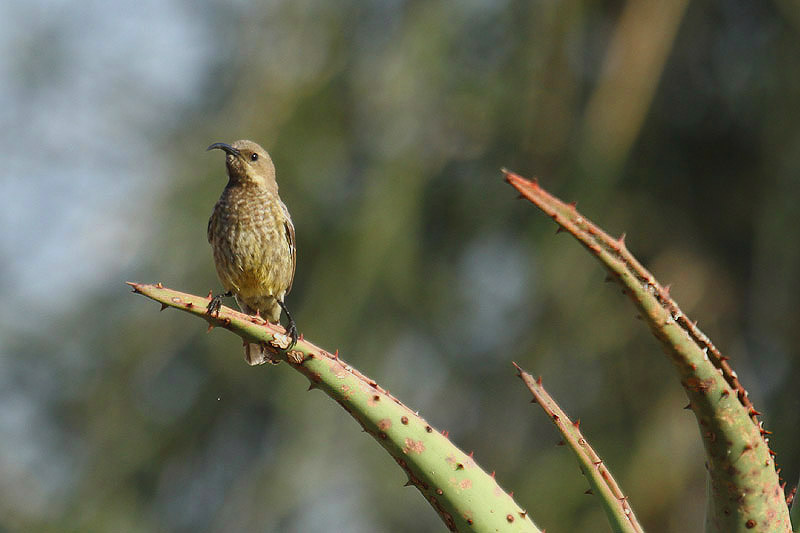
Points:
x=252, y=236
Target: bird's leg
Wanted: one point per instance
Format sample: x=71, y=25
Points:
x=292, y=327
x=216, y=302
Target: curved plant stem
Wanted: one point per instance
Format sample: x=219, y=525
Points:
x=746, y=494
x=603, y=485
x=464, y=496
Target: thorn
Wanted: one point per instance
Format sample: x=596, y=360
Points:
x=210, y=327
x=560, y=443
x=588, y=491
x=492, y=473
x=511, y=493
x=336, y=354
x=444, y=431
x=300, y=337
x=621, y=240
x=572, y=205
x=539, y=381
x=163, y=306
x=560, y=229
x=135, y=286
x=470, y=453
x=210, y=294
x=534, y=400
x=520, y=197
x=159, y=285
x=577, y=424
x=519, y=370
x=753, y=412
x=665, y=290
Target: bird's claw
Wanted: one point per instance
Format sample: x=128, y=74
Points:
x=292, y=332
x=215, y=304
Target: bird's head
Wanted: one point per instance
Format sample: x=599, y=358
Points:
x=247, y=162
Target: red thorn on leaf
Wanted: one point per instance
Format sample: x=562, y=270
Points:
x=665, y=291
x=511, y=493
x=470, y=453
x=791, y=495
x=753, y=412
x=210, y=294
x=588, y=491
x=163, y=306
x=159, y=285
x=577, y=424
x=134, y=286
x=445, y=433
x=621, y=240
x=210, y=327
x=539, y=381
x=336, y=355
x=492, y=473
x=726, y=393
x=572, y=205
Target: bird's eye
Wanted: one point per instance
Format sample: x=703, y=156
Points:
x=254, y=157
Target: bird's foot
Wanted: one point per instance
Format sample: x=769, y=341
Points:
x=215, y=304
x=291, y=328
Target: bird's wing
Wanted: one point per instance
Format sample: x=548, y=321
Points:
x=290, y=240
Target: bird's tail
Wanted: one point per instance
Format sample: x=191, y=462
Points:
x=257, y=354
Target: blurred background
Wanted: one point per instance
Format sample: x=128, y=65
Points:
x=677, y=122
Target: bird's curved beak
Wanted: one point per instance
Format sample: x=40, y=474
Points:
x=227, y=148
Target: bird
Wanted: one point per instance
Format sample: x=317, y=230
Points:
x=253, y=241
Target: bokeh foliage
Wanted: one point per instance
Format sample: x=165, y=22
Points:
x=676, y=122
